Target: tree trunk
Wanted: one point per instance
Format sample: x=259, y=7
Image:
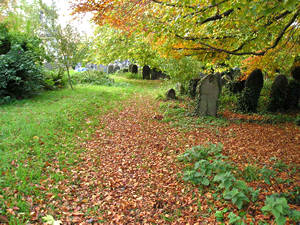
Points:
x=69, y=78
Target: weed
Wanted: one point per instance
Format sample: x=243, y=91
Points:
x=250, y=173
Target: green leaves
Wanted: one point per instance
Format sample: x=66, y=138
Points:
x=235, y=219
x=278, y=207
x=238, y=198
x=226, y=180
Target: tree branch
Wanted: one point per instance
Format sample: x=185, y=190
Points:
x=235, y=52
x=173, y=5
x=205, y=8
x=204, y=38
x=216, y=17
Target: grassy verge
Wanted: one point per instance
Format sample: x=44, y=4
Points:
x=39, y=139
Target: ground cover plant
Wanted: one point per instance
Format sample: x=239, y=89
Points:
x=212, y=172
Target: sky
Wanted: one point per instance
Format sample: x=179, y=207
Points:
x=82, y=24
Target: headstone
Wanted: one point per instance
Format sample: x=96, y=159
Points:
x=208, y=91
x=146, y=72
x=154, y=74
x=171, y=94
x=110, y=68
x=116, y=68
x=133, y=68
x=278, y=93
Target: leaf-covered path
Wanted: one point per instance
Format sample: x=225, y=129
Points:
x=128, y=173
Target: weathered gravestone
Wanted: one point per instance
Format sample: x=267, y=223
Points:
x=154, y=74
x=171, y=94
x=116, y=68
x=146, y=72
x=208, y=91
x=134, y=69
x=110, y=68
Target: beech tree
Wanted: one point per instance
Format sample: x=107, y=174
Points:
x=228, y=31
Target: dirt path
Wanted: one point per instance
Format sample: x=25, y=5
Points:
x=129, y=172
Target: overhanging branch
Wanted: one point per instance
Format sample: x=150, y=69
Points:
x=235, y=52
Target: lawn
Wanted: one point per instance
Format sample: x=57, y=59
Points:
x=46, y=130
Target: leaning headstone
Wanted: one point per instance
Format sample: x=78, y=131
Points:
x=171, y=94
x=208, y=91
x=146, y=72
x=110, y=68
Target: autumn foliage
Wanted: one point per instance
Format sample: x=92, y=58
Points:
x=212, y=31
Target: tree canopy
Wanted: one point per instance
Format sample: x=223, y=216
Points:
x=264, y=33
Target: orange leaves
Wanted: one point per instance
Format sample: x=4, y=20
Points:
x=128, y=172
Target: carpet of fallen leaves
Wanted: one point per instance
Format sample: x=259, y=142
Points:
x=128, y=173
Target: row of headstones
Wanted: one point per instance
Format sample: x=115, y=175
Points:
x=152, y=74
x=284, y=94
x=207, y=90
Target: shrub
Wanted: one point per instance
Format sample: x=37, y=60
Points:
x=20, y=76
x=248, y=99
x=92, y=77
x=278, y=93
x=5, y=44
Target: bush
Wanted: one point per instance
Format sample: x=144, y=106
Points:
x=20, y=77
x=278, y=93
x=248, y=99
x=92, y=77
x=5, y=44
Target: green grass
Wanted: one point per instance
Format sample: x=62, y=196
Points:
x=47, y=129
